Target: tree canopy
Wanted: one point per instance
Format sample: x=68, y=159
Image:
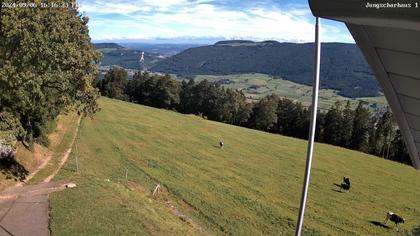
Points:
x=47, y=64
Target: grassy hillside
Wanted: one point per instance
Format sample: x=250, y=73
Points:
x=256, y=86
x=252, y=187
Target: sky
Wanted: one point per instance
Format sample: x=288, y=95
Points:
x=208, y=21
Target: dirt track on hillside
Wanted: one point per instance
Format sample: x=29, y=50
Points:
x=24, y=208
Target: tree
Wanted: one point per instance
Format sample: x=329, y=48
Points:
x=154, y=90
x=239, y=109
x=384, y=132
x=286, y=117
x=372, y=141
x=187, y=104
x=205, y=98
x=115, y=83
x=333, y=121
x=231, y=107
x=167, y=92
x=346, y=126
x=359, y=138
x=399, y=150
x=302, y=121
x=264, y=113
x=320, y=123
x=133, y=89
x=47, y=64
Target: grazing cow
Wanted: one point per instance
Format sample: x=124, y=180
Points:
x=221, y=144
x=345, y=184
x=394, y=218
x=346, y=180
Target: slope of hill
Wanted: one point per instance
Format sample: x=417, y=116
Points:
x=343, y=67
x=251, y=187
x=115, y=54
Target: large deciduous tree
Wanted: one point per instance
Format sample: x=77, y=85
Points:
x=47, y=64
x=115, y=83
x=264, y=113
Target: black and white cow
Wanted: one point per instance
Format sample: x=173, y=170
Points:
x=394, y=218
x=345, y=184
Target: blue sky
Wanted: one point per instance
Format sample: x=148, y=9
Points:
x=148, y=20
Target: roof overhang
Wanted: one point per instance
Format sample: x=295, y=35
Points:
x=389, y=38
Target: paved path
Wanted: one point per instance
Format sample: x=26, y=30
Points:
x=24, y=210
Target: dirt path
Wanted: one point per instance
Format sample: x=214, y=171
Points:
x=66, y=154
x=37, y=153
x=40, y=167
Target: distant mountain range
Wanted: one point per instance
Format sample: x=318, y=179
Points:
x=166, y=49
x=343, y=67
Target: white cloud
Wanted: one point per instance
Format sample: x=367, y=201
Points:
x=163, y=3
x=179, y=18
x=107, y=8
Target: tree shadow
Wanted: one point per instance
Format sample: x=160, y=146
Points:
x=13, y=169
x=377, y=223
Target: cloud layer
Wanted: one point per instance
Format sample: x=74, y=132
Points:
x=229, y=19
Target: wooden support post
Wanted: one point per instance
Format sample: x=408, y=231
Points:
x=156, y=191
x=77, y=163
x=126, y=175
x=77, y=157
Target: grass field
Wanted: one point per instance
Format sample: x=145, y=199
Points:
x=256, y=86
x=251, y=187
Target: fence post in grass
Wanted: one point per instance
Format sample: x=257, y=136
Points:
x=311, y=137
x=77, y=163
x=156, y=191
x=126, y=175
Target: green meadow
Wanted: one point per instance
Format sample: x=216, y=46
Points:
x=256, y=86
x=251, y=187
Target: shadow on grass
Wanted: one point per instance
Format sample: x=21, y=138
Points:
x=69, y=169
x=335, y=190
x=416, y=231
x=377, y=223
x=13, y=169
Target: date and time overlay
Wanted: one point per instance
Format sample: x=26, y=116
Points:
x=39, y=4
